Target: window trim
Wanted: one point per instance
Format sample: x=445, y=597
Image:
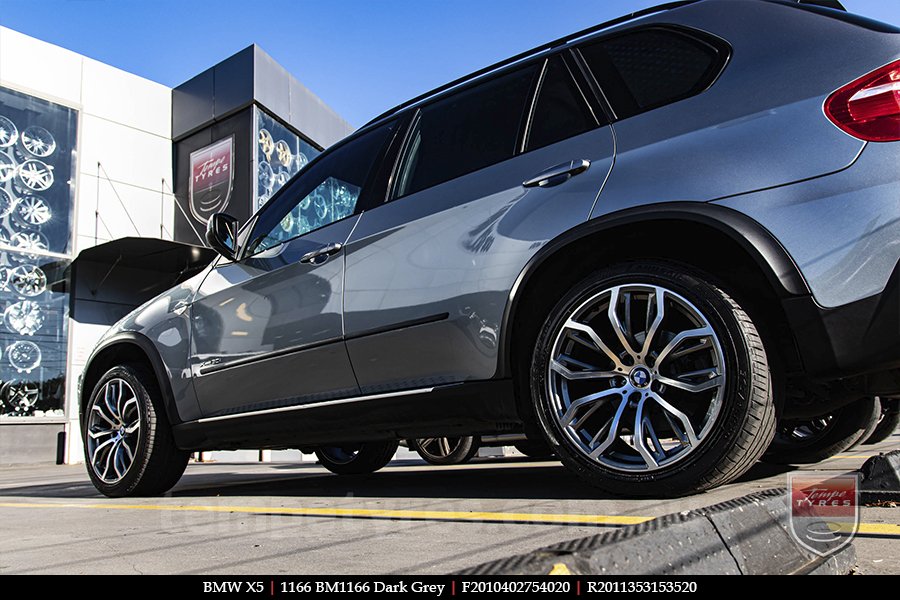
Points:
x=591, y=103
x=721, y=47
x=534, y=63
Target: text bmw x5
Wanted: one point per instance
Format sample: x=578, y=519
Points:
x=647, y=245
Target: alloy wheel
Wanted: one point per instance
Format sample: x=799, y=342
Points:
x=636, y=378
x=113, y=430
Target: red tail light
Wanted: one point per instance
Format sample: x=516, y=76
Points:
x=869, y=108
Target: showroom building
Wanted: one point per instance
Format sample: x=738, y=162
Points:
x=90, y=154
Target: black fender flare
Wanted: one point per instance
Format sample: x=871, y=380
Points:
x=759, y=244
x=146, y=346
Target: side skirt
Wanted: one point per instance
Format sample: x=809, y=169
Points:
x=459, y=409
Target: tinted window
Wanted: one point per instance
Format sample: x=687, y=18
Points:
x=325, y=192
x=649, y=68
x=561, y=110
x=465, y=132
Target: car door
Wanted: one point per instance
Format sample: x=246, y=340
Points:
x=487, y=176
x=266, y=329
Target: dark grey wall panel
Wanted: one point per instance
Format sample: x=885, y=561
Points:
x=192, y=103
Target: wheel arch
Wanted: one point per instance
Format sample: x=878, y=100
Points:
x=759, y=271
x=126, y=347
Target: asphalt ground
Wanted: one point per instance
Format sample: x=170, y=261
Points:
x=410, y=518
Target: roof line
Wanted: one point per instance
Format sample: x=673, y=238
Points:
x=528, y=53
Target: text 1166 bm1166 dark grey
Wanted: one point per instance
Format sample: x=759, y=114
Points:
x=654, y=246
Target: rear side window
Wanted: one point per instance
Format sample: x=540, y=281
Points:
x=467, y=131
x=561, y=110
x=649, y=68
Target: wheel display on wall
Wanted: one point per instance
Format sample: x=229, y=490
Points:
x=4, y=277
x=28, y=243
x=27, y=280
x=9, y=133
x=24, y=356
x=7, y=168
x=266, y=177
x=266, y=143
x=24, y=318
x=35, y=175
x=283, y=152
x=20, y=397
x=38, y=141
x=32, y=211
x=6, y=203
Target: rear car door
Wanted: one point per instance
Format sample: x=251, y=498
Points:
x=266, y=329
x=429, y=271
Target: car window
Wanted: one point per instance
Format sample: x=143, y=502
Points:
x=561, y=110
x=467, y=131
x=328, y=190
x=645, y=69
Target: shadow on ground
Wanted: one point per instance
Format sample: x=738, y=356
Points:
x=508, y=478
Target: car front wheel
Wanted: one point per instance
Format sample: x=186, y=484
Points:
x=128, y=445
x=648, y=380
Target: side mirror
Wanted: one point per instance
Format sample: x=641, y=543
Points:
x=221, y=235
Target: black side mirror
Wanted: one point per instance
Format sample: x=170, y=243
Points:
x=221, y=235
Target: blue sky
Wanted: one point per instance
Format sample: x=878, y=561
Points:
x=360, y=56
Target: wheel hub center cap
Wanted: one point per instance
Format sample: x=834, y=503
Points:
x=640, y=377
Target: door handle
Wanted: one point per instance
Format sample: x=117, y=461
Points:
x=317, y=257
x=558, y=174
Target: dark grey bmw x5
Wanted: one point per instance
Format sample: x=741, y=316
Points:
x=649, y=245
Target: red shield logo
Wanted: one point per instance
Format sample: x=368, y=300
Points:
x=211, y=179
x=824, y=510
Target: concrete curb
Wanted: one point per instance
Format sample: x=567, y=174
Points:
x=880, y=479
x=747, y=535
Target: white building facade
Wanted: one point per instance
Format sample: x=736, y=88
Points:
x=89, y=154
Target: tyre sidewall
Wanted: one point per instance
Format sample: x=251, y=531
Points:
x=145, y=404
x=677, y=478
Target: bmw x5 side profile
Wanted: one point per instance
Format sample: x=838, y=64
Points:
x=649, y=245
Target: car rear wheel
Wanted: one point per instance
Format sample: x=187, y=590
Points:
x=128, y=444
x=887, y=422
x=446, y=450
x=357, y=459
x=808, y=441
x=648, y=380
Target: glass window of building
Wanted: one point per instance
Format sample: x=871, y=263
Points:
x=37, y=171
x=280, y=154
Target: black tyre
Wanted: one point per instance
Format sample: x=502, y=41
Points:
x=128, y=444
x=446, y=450
x=357, y=459
x=887, y=422
x=649, y=380
x=808, y=441
x=534, y=449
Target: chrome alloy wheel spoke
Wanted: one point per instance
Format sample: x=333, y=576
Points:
x=636, y=377
x=113, y=430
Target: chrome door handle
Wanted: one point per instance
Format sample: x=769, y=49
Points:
x=558, y=174
x=317, y=257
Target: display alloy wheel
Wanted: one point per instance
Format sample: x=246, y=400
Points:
x=806, y=441
x=650, y=380
x=128, y=444
x=357, y=459
x=446, y=450
x=887, y=423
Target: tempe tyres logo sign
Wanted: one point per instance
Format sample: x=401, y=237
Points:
x=211, y=179
x=824, y=512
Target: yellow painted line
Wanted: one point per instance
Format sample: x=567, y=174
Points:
x=852, y=456
x=429, y=515
x=892, y=529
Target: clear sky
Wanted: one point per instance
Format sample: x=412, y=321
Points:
x=360, y=56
